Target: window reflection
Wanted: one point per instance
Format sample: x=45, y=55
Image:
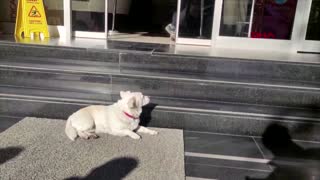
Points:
x=88, y=15
x=271, y=19
x=235, y=18
x=88, y=21
x=313, y=31
x=196, y=17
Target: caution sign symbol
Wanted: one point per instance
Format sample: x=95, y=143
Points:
x=34, y=12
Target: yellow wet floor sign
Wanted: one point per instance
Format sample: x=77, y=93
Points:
x=31, y=19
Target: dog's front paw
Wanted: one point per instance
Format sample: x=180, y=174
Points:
x=135, y=136
x=93, y=136
x=152, y=132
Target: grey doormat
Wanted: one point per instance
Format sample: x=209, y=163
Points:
x=37, y=148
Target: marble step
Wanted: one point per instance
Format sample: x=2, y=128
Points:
x=212, y=68
x=126, y=68
x=93, y=65
x=308, y=114
x=161, y=64
x=14, y=107
x=107, y=87
x=220, y=156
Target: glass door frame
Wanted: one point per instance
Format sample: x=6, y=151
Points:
x=304, y=45
x=296, y=43
x=69, y=33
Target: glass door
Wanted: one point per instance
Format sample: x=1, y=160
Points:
x=255, y=24
x=265, y=19
x=85, y=18
x=311, y=31
x=272, y=25
x=244, y=24
x=194, y=21
x=88, y=18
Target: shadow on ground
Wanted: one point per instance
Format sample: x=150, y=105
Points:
x=291, y=161
x=9, y=153
x=116, y=169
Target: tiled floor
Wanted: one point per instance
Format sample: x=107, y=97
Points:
x=227, y=157
x=7, y=122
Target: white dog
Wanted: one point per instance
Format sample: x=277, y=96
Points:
x=120, y=119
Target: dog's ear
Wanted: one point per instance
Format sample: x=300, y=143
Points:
x=132, y=102
x=145, y=100
x=124, y=94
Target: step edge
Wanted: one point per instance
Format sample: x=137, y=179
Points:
x=115, y=74
x=301, y=119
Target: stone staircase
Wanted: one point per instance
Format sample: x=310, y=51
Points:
x=208, y=94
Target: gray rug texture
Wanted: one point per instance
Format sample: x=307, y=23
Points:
x=37, y=148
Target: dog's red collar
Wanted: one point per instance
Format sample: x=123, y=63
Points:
x=130, y=116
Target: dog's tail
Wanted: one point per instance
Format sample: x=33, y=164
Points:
x=70, y=131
